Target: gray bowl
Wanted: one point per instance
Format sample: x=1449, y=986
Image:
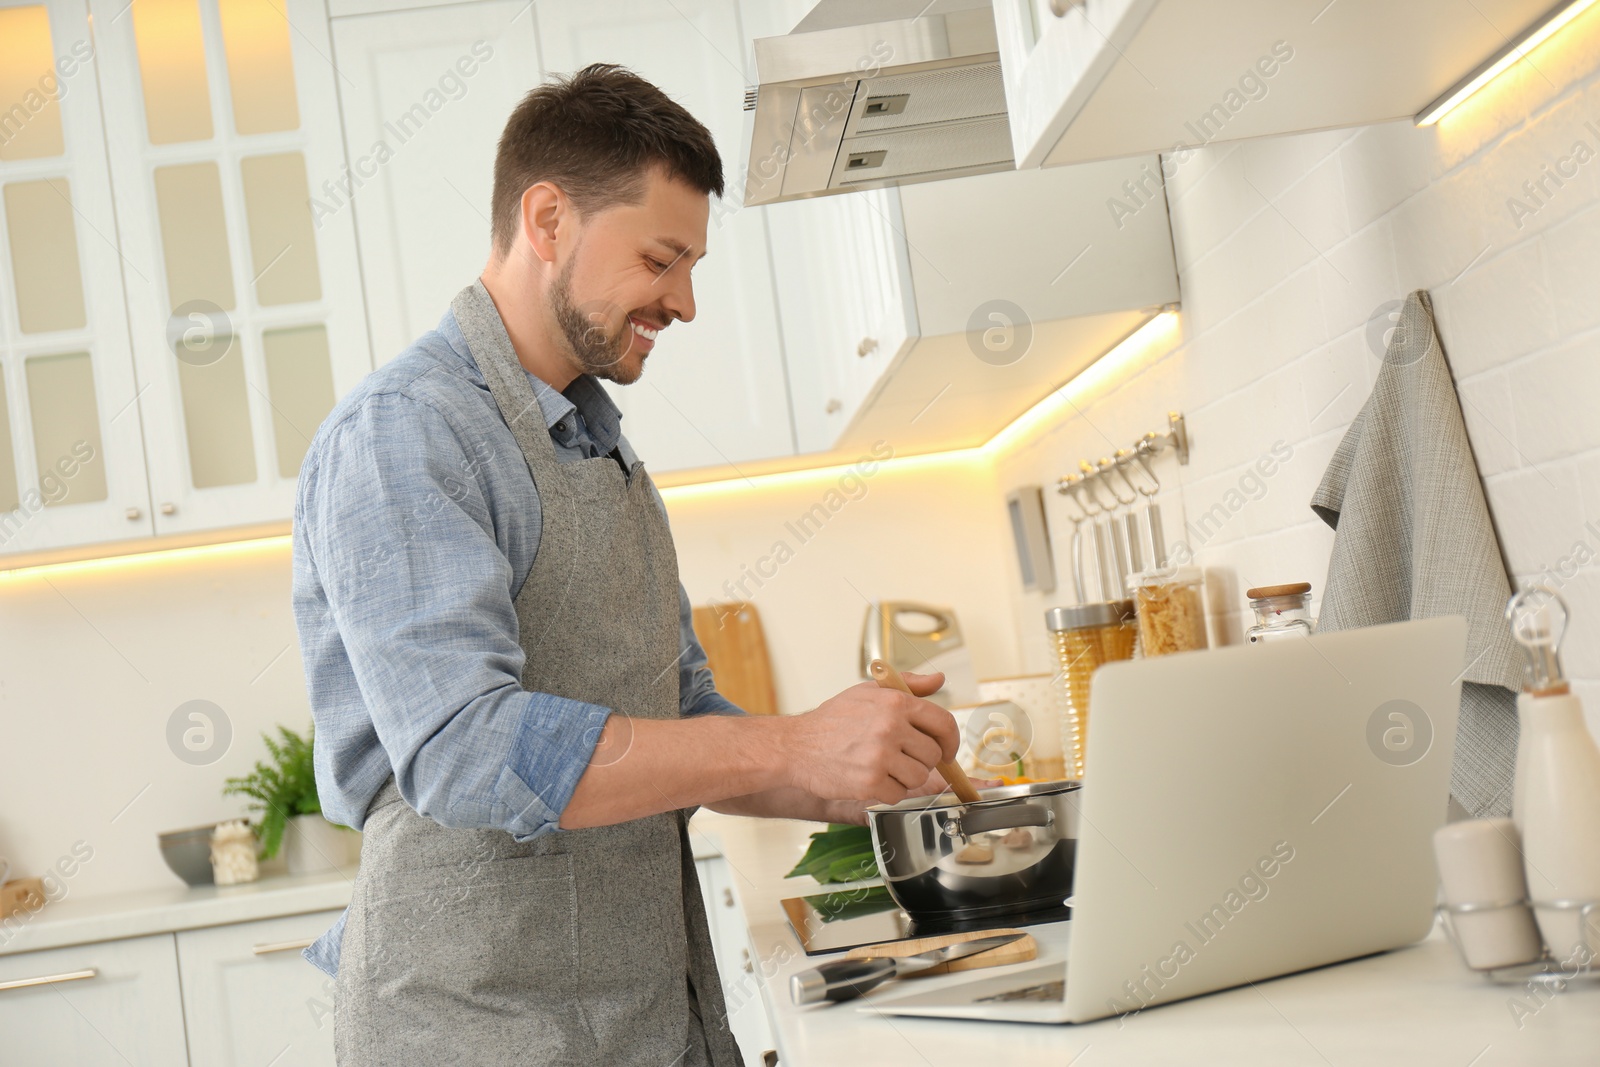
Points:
x=188, y=854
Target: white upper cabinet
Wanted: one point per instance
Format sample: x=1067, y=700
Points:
x=425, y=95
x=71, y=456
x=1103, y=79
x=954, y=306
x=845, y=277
x=239, y=263
x=713, y=391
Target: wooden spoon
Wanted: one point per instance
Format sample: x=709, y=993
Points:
x=889, y=678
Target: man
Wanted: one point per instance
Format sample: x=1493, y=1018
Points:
x=508, y=695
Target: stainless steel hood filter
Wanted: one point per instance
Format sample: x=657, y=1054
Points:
x=847, y=104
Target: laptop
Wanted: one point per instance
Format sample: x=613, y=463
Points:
x=1247, y=812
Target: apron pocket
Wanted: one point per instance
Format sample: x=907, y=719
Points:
x=497, y=934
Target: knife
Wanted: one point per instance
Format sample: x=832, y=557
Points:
x=843, y=980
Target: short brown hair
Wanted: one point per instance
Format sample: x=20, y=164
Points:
x=596, y=134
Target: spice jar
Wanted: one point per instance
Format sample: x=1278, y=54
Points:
x=1172, y=613
x=1281, y=611
x=1085, y=637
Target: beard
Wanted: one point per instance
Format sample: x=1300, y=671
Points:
x=596, y=351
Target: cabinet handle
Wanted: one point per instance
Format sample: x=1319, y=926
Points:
x=1059, y=8
x=283, y=946
x=744, y=956
x=727, y=897
x=49, y=979
x=834, y=406
x=169, y=508
x=867, y=346
x=133, y=514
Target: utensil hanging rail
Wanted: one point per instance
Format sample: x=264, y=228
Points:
x=1091, y=474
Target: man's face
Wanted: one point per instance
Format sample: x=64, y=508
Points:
x=627, y=277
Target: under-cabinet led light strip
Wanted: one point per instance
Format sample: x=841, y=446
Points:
x=1540, y=32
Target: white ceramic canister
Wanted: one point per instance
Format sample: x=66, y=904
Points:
x=1480, y=872
x=1558, y=813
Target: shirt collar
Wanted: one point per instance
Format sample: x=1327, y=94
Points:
x=585, y=395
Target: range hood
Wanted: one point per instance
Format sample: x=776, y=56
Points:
x=868, y=93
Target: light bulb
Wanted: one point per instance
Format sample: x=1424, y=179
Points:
x=1538, y=618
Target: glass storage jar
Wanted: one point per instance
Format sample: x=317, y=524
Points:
x=1282, y=611
x=1085, y=637
x=1171, y=610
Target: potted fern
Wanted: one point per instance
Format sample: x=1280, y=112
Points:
x=284, y=792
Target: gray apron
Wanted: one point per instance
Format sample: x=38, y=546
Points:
x=580, y=947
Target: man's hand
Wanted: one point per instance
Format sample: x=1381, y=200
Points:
x=870, y=744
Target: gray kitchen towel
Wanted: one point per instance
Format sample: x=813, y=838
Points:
x=1413, y=540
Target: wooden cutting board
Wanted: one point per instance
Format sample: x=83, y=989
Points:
x=736, y=652
x=1021, y=950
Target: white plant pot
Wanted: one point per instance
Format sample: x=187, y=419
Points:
x=312, y=843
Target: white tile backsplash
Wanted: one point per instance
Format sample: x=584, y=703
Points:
x=1287, y=249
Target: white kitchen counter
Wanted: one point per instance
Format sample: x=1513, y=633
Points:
x=109, y=917
x=81, y=920
x=1417, y=1005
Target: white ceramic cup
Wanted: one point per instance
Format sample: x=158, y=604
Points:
x=1480, y=863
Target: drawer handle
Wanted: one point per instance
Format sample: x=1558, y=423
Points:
x=727, y=897
x=283, y=946
x=1059, y=8
x=49, y=979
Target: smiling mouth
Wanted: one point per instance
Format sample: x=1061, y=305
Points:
x=644, y=330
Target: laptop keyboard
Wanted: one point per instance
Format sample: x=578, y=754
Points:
x=1044, y=991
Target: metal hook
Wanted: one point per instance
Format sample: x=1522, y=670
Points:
x=1067, y=486
x=1086, y=499
x=1108, y=465
x=1144, y=461
x=1122, y=457
x=1091, y=478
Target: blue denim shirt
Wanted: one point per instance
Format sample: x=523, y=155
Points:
x=416, y=524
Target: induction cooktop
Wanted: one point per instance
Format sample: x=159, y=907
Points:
x=850, y=918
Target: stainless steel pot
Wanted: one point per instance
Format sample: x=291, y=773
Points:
x=1013, y=851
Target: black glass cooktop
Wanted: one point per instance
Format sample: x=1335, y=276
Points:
x=835, y=922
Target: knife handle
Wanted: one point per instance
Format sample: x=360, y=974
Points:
x=840, y=980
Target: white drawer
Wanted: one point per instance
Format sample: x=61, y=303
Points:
x=113, y=1003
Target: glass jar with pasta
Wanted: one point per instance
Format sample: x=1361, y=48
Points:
x=1171, y=610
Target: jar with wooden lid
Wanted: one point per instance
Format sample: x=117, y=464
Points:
x=1282, y=611
x=1085, y=637
x=1171, y=610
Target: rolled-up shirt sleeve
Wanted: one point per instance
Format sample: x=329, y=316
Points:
x=394, y=518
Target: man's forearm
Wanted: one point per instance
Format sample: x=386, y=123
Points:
x=786, y=802
x=863, y=746
x=642, y=767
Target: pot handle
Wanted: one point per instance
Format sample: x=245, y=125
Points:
x=1004, y=818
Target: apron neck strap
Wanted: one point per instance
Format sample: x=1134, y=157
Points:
x=490, y=347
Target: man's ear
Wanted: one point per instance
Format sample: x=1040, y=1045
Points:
x=545, y=210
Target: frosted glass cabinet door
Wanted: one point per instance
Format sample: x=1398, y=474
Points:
x=112, y=1003
x=425, y=96
x=238, y=249
x=713, y=391
x=71, y=459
